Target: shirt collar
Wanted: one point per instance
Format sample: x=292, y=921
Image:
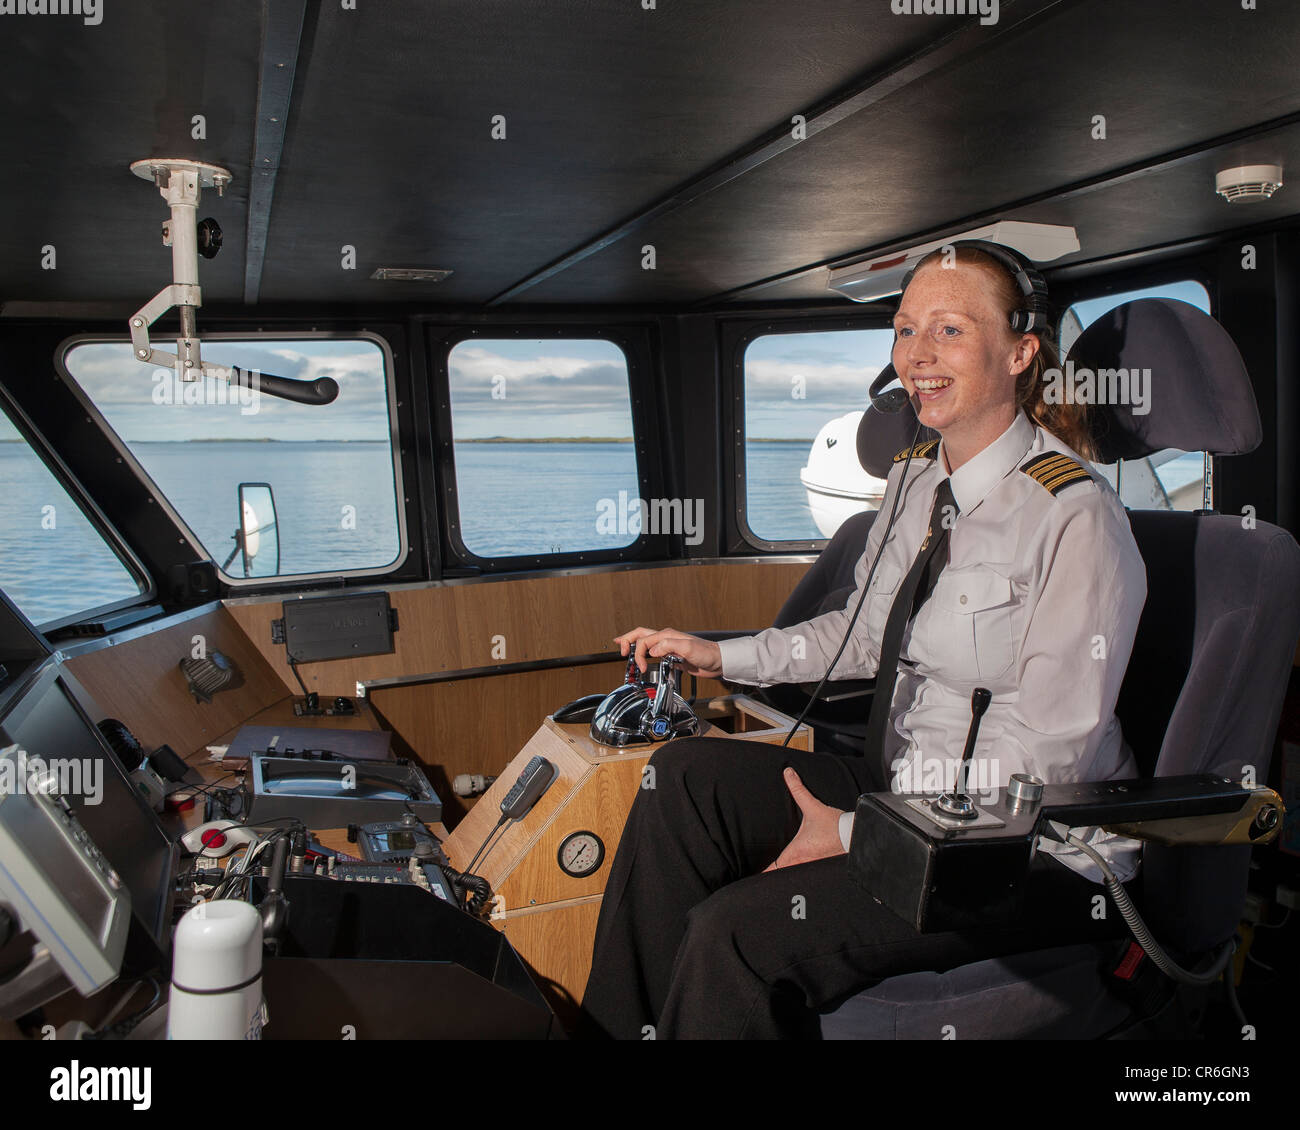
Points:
x=973, y=480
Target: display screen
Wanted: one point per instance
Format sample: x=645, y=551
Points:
x=396, y=841
x=65, y=868
x=47, y=723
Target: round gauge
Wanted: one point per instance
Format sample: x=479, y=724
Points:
x=580, y=854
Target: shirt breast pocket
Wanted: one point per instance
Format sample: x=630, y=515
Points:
x=884, y=587
x=975, y=625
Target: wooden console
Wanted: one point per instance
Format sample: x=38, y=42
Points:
x=548, y=915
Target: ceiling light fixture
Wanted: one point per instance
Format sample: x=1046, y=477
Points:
x=867, y=280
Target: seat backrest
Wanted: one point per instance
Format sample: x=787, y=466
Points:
x=829, y=581
x=1203, y=692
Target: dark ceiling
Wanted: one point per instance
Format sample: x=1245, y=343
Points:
x=624, y=127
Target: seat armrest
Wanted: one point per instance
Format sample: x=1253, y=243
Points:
x=718, y=634
x=946, y=874
x=840, y=690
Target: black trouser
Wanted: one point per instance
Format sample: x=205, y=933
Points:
x=695, y=941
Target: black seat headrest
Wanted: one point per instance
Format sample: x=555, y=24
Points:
x=1200, y=396
x=1197, y=393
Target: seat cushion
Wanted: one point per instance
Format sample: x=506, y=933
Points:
x=1048, y=994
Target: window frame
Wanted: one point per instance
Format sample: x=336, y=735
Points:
x=120, y=446
x=71, y=486
x=635, y=343
x=737, y=336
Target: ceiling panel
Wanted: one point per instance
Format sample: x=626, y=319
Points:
x=609, y=108
x=971, y=138
x=82, y=103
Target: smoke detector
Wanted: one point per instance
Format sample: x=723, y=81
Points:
x=1249, y=182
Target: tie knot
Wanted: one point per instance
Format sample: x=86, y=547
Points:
x=943, y=496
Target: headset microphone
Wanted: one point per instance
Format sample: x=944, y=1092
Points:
x=892, y=401
x=895, y=400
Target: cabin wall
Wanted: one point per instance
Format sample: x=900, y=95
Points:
x=478, y=722
x=138, y=681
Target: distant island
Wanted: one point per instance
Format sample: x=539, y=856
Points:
x=549, y=439
x=484, y=439
x=604, y=439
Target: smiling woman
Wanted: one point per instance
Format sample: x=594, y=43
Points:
x=1007, y=560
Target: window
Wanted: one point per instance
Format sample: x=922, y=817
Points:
x=542, y=440
x=332, y=468
x=804, y=396
x=1167, y=480
x=54, y=564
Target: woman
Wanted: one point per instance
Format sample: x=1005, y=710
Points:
x=729, y=911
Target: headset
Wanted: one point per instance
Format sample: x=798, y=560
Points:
x=1032, y=316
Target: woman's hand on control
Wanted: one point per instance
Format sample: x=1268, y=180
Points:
x=703, y=657
x=819, y=833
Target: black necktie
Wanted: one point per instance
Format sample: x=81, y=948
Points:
x=912, y=593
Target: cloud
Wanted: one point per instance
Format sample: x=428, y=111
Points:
x=123, y=390
x=547, y=395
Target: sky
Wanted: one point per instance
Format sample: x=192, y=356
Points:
x=795, y=383
x=532, y=388
x=145, y=403
x=525, y=387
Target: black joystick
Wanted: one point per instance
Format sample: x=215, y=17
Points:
x=957, y=804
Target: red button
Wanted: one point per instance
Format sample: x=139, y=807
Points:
x=214, y=838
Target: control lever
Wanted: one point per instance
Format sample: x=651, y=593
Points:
x=274, y=907
x=670, y=667
x=956, y=803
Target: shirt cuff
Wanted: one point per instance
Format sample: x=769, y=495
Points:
x=739, y=659
x=846, y=829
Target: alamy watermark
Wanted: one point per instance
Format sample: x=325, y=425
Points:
x=1073, y=385
x=934, y=775
x=632, y=516
x=169, y=389
x=987, y=10
x=23, y=774
x=90, y=11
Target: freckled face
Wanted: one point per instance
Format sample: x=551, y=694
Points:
x=957, y=355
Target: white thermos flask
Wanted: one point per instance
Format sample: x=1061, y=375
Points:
x=216, y=990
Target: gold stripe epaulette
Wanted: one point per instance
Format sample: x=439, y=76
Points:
x=920, y=451
x=1055, y=471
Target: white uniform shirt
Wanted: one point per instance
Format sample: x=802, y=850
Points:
x=1039, y=602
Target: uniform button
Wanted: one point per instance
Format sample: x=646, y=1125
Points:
x=963, y=598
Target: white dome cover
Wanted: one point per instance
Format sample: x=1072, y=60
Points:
x=836, y=482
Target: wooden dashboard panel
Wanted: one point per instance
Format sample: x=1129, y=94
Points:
x=139, y=682
x=488, y=623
